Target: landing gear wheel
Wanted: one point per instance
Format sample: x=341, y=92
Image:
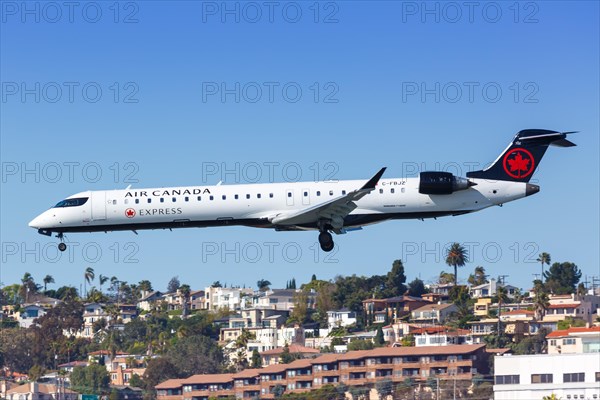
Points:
x=62, y=246
x=326, y=241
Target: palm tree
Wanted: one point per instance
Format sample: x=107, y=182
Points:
x=102, y=279
x=543, y=258
x=88, y=276
x=47, y=279
x=541, y=301
x=184, y=292
x=478, y=277
x=502, y=295
x=457, y=256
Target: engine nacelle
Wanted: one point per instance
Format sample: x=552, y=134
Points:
x=437, y=182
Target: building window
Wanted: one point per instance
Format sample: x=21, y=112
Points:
x=597, y=376
x=568, y=341
x=507, y=379
x=574, y=377
x=541, y=378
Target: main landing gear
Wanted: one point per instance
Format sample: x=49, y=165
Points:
x=62, y=245
x=326, y=241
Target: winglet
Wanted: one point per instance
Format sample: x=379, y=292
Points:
x=370, y=185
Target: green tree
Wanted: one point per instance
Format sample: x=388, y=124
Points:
x=478, y=277
x=159, y=370
x=379, y=340
x=263, y=285
x=196, y=355
x=92, y=379
x=184, y=292
x=136, y=381
x=456, y=257
x=256, y=359
x=47, y=279
x=416, y=288
x=360, y=344
x=562, y=278
x=395, y=280
x=445, y=277
x=543, y=258
x=173, y=284
x=384, y=387
x=278, y=391
x=541, y=302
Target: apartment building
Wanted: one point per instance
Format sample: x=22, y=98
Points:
x=355, y=368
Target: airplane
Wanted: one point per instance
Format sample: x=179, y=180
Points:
x=329, y=206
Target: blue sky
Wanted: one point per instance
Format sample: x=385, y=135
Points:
x=159, y=94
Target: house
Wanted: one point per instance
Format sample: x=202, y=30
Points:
x=482, y=306
x=441, y=336
x=391, y=309
x=121, y=376
x=582, y=307
x=490, y=289
x=273, y=356
x=281, y=299
x=197, y=299
x=216, y=298
x=70, y=366
x=574, y=340
x=566, y=376
x=150, y=300
x=343, y=317
x=354, y=368
x=40, y=391
x=28, y=313
x=433, y=313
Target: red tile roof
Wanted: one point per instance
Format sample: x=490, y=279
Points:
x=170, y=384
x=208, y=378
x=568, y=332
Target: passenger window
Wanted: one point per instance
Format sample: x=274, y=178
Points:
x=162, y=200
x=271, y=195
x=224, y=197
x=137, y=201
x=236, y=197
x=343, y=192
x=174, y=199
x=149, y=201
x=186, y=198
x=247, y=196
x=289, y=194
x=114, y=202
x=305, y=194
x=318, y=192
x=199, y=198
x=402, y=190
x=211, y=197
x=258, y=195
x=392, y=190
x=331, y=192
x=380, y=191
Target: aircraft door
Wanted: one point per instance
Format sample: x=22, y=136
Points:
x=289, y=197
x=98, y=205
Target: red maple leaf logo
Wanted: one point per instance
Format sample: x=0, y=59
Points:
x=130, y=213
x=520, y=165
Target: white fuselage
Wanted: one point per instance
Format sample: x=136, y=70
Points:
x=258, y=204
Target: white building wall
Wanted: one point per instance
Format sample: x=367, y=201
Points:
x=555, y=364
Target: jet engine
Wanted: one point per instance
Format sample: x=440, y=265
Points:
x=437, y=182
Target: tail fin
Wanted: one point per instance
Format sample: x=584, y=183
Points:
x=522, y=156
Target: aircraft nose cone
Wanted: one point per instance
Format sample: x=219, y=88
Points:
x=35, y=223
x=531, y=189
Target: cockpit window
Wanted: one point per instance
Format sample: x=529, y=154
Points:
x=77, y=201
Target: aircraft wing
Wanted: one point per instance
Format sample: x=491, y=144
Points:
x=338, y=207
